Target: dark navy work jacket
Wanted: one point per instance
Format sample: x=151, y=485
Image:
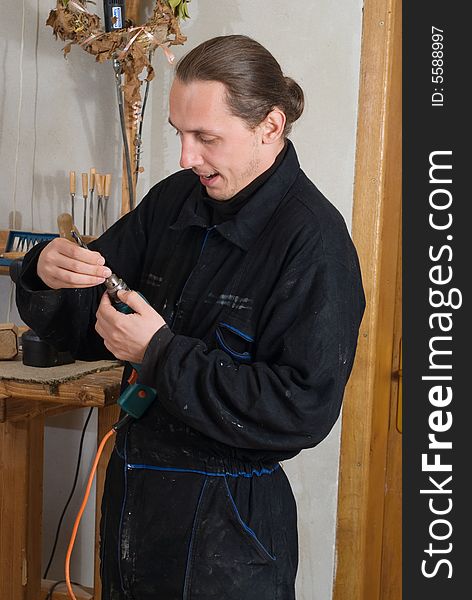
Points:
x=263, y=312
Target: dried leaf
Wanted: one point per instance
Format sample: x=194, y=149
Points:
x=133, y=52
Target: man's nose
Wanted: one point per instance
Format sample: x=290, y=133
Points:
x=190, y=156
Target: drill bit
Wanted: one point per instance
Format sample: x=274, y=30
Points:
x=77, y=237
x=113, y=283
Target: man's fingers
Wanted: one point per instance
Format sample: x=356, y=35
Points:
x=133, y=300
x=105, y=301
x=106, y=312
x=65, y=264
x=72, y=250
x=127, y=335
x=77, y=266
x=63, y=278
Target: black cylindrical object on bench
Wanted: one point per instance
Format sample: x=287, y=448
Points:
x=38, y=353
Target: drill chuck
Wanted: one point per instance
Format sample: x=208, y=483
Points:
x=114, y=284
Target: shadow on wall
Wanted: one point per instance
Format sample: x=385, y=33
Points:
x=206, y=21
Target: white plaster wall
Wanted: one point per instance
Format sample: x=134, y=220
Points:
x=58, y=115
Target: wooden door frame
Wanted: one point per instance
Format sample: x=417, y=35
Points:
x=376, y=226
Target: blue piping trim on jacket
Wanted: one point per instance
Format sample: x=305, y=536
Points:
x=245, y=336
x=205, y=239
x=256, y=472
x=115, y=449
x=123, y=504
x=191, y=542
x=244, y=356
x=245, y=526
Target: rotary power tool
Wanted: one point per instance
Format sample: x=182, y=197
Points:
x=114, y=13
x=136, y=398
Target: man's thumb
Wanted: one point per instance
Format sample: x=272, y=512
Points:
x=132, y=299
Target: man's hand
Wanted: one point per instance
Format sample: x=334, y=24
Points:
x=127, y=336
x=64, y=264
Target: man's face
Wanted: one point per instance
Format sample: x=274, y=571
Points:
x=219, y=147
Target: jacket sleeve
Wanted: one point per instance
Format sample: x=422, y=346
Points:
x=66, y=317
x=290, y=397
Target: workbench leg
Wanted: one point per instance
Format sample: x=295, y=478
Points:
x=107, y=417
x=21, y=500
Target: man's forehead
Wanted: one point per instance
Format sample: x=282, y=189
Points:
x=197, y=129
x=210, y=95
x=198, y=106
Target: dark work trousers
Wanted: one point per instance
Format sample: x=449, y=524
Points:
x=186, y=535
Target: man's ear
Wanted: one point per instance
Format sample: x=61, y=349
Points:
x=273, y=126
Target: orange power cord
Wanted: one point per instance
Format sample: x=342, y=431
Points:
x=82, y=508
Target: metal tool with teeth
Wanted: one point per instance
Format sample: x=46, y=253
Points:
x=19, y=242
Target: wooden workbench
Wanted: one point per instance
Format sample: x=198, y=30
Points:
x=23, y=407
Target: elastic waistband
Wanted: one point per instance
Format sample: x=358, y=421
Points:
x=251, y=473
x=189, y=460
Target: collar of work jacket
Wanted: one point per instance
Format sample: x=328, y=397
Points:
x=249, y=222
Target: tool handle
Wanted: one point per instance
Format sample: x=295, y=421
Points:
x=65, y=226
x=99, y=184
x=107, y=184
x=93, y=172
x=85, y=185
x=72, y=182
x=136, y=399
x=124, y=308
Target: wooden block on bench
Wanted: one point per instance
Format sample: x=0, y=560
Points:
x=8, y=341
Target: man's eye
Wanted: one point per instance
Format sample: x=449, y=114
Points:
x=206, y=140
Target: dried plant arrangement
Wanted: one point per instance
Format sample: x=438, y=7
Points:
x=132, y=46
x=130, y=49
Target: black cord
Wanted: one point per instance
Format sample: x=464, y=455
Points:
x=122, y=422
x=79, y=458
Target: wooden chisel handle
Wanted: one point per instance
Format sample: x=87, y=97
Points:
x=99, y=184
x=72, y=182
x=65, y=225
x=85, y=185
x=93, y=172
x=107, y=185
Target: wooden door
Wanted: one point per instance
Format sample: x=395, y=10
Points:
x=391, y=563
x=369, y=502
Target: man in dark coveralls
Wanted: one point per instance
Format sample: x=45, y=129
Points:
x=255, y=300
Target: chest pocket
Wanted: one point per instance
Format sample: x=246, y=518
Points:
x=235, y=342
